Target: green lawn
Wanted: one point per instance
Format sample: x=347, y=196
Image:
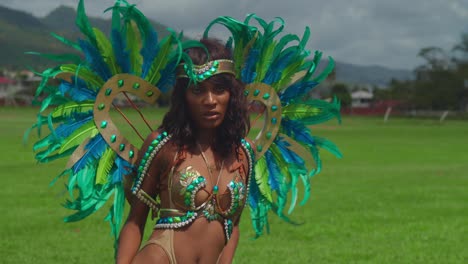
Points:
x=399, y=195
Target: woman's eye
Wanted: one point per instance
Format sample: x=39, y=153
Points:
x=219, y=89
x=196, y=90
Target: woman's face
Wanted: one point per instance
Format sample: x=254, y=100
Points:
x=207, y=103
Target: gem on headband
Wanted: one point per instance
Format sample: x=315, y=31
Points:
x=199, y=73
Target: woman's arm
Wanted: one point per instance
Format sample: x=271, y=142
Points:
x=132, y=232
x=227, y=255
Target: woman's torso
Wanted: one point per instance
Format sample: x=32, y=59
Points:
x=188, y=196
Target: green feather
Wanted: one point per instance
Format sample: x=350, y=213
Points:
x=53, y=99
x=85, y=183
x=313, y=111
x=94, y=80
x=62, y=57
x=72, y=107
x=166, y=46
x=118, y=206
x=328, y=145
x=48, y=158
x=105, y=164
x=66, y=42
x=91, y=206
x=306, y=182
x=300, y=111
x=88, y=130
x=326, y=71
x=83, y=23
x=44, y=142
x=242, y=35
x=263, y=64
x=46, y=75
x=134, y=46
x=261, y=177
x=106, y=50
x=288, y=73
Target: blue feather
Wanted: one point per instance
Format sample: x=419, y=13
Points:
x=167, y=80
x=77, y=91
x=120, y=51
x=254, y=192
x=149, y=51
x=122, y=168
x=248, y=73
x=288, y=155
x=276, y=68
x=94, y=150
x=229, y=43
x=66, y=129
x=273, y=171
x=297, y=131
x=95, y=60
x=296, y=90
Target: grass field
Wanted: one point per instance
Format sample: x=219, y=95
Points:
x=399, y=195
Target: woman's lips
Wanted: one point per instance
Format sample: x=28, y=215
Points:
x=211, y=115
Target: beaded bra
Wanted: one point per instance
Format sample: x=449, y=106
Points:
x=185, y=188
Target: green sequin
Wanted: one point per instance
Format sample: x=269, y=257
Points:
x=131, y=154
x=259, y=148
x=101, y=106
x=122, y=147
x=104, y=124
x=120, y=83
x=113, y=138
x=268, y=135
x=274, y=120
x=136, y=86
x=108, y=91
x=149, y=93
x=274, y=108
x=266, y=96
x=246, y=92
x=256, y=92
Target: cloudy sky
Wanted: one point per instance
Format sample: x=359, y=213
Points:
x=365, y=32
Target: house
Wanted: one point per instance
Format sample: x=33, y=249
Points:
x=361, y=99
x=12, y=92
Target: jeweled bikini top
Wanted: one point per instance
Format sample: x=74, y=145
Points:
x=188, y=197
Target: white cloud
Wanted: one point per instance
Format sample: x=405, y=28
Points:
x=382, y=32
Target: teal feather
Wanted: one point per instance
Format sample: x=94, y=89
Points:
x=83, y=24
x=66, y=41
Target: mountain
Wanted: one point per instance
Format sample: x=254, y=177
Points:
x=21, y=32
x=369, y=75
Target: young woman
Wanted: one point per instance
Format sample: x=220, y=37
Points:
x=198, y=164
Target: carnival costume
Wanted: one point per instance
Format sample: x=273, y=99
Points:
x=136, y=64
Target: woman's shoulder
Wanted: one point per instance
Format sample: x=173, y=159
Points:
x=249, y=146
x=160, y=142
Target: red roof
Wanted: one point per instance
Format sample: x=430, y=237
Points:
x=4, y=80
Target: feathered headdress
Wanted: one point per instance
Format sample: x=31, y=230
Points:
x=132, y=61
x=279, y=75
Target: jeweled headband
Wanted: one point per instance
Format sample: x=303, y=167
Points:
x=199, y=73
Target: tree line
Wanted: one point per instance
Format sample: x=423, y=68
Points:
x=440, y=83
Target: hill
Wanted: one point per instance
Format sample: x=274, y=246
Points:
x=22, y=32
x=370, y=75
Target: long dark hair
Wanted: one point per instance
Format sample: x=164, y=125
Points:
x=235, y=125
